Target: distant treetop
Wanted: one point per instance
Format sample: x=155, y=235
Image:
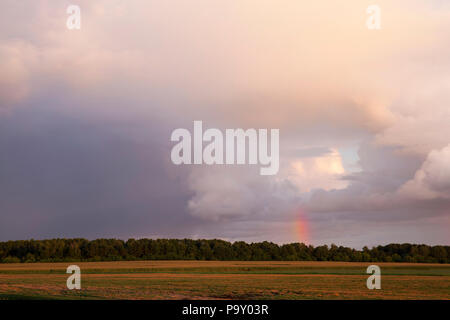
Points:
x=61, y=250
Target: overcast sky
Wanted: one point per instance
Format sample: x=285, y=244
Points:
x=364, y=117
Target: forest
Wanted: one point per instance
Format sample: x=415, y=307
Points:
x=71, y=250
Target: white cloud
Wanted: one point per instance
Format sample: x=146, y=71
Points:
x=225, y=192
x=432, y=180
x=322, y=172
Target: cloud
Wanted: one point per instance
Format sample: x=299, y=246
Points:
x=240, y=192
x=311, y=69
x=246, y=61
x=432, y=180
x=320, y=172
x=68, y=177
x=15, y=75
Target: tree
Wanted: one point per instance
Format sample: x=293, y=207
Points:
x=55, y=250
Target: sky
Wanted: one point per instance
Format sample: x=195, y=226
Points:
x=86, y=118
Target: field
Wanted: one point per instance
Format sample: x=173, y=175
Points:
x=224, y=280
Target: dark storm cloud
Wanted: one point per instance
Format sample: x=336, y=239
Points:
x=65, y=177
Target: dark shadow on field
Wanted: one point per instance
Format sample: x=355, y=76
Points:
x=7, y=296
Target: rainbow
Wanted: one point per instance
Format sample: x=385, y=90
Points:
x=302, y=227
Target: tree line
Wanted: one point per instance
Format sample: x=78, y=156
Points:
x=68, y=250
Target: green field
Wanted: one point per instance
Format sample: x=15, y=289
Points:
x=224, y=280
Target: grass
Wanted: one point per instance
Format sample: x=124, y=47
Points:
x=224, y=280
